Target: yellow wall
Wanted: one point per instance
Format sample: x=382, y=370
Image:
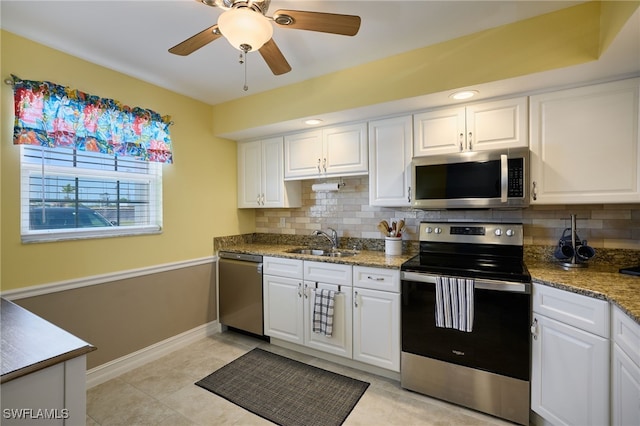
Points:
x=199, y=188
x=567, y=37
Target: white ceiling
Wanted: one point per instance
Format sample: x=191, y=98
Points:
x=132, y=37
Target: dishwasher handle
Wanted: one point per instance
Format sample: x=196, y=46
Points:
x=256, y=258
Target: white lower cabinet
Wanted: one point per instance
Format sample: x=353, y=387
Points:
x=376, y=317
x=570, y=357
x=289, y=299
x=340, y=341
x=625, y=369
x=366, y=322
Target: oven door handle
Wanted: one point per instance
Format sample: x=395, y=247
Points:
x=507, y=286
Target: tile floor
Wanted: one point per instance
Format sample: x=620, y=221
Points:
x=163, y=392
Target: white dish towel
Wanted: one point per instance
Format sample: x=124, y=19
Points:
x=454, y=303
x=323, y=311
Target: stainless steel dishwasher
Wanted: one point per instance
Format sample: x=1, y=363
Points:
x=240, y=292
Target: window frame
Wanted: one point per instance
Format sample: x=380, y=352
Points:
x=153, y=177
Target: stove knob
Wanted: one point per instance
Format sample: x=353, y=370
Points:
x=428, y=230
x=498, y=232
x=438, y=230
x=510, y=233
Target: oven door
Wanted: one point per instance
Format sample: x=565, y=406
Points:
x=499, y=342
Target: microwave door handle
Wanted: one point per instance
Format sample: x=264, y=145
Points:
x=504, y=178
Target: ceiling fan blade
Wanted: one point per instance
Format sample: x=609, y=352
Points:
x=274, y=58
x=195, y=42
x=318, y=21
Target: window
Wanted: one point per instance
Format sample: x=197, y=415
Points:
x=70, y=194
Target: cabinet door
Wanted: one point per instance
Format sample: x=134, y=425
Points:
x=439, y=132
x=376, y=328
x=500, y=124
x=569, y=374
x=283, y=308
x=390, y=146
x=272, y=173
x=345, y=150
x=626, y=389
x=584, y=145
x=340, y=341
x=249, y=174
x=303, y=155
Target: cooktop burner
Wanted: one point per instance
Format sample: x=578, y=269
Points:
x=476, y=250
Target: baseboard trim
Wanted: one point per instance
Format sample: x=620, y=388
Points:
x=113, y=369
x=42, y=289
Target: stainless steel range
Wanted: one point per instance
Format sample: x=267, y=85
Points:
x=466, y=308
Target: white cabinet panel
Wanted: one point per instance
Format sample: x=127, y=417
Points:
x=570, y=375
x=584, y=145
x=332, y=151
x=284, y=305
x=500, y=124
x=580, y=311
x=376, y=325
x=390, y=151
x=326, y=272
x=261, y=176
x=340, y=341
x=625, y=392
x=377, y=278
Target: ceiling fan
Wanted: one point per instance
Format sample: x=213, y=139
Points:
x=247, y=27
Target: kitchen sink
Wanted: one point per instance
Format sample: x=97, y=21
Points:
x=322, y=252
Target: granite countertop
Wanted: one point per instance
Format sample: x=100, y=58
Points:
x=362, y=258
x=600, y=279
x=30, y=343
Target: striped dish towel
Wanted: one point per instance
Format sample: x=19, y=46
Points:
x=323, y=311
x=454, y=303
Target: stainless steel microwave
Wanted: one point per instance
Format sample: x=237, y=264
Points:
x=471, y=180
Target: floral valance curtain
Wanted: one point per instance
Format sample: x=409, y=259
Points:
x=51, y=115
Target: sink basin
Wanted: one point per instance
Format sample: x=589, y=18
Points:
x=316, y=252
x=322, y=252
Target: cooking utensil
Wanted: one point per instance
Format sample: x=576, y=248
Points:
x=383, y=229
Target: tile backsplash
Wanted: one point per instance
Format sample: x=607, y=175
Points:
x=615, y=226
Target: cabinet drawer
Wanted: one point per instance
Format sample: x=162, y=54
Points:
x=331, y=273
x=377, y=278
x=626, y=333
x=281, y=267
x=583, y=312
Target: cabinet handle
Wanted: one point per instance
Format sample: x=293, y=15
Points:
x=306, y=291
x=409, y=194
x=258, y=199
x=461, y=141
x=375, y=279
x=534, y=329
x=355, y=299
x=299, y=289
x=319, y=170
x=470, y=141
x=324, y=165
x=534, y=192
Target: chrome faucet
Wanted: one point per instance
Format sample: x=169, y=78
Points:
x=333, y=238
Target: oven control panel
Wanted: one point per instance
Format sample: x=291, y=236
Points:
x=472, y=232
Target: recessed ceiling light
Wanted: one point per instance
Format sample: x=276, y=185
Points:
x=312, y=121
x=465, y=94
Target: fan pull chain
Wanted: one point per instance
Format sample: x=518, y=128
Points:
x=243, y=60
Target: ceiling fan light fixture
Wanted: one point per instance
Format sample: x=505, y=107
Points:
x=244, y=27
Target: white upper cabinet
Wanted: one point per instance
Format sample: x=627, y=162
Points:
x=584, y=145
x=390, y=143
x=500, y=124
x=260, y=176
x=334, y=151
